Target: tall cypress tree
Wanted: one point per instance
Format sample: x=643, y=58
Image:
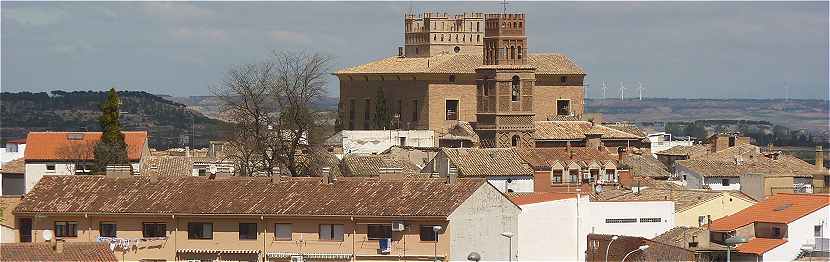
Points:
x=383, y=118
x=111, y=150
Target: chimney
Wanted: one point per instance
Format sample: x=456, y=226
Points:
x=276, y=178
x=819, y=158
x=400, y=51
x=328, y=177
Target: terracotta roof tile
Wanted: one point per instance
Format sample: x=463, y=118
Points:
x=576, y=130
x=372, y=165
x=779, y=208
x=646, y=166
x=484, y=162
x=166, y=166
x=759, y=246
x=542, y=158
x=545, y=63
x=784, y=165
x=691, y=151
x=72, y=251
x=683, y=199
x=348, y=196
x=539, y=197
x=77, y=145
x=728, y=154
x=17, y=166
x=627, y=128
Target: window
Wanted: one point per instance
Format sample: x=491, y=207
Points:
x=402, y=141
x=620, y=220
x=516, y=92
x=563, y=107
x=107, y=229
x=331, y=232
x=520, y=52
x=817, y=231
x=199, y=230
x=556, y=177
x=427, y=233
x=574, y=175
x=247, y=231
x=484, y=89
x=50, y=167
x=452, y=109
x=514, y=141
x=12, y=148
x=512, y=52
x=724, y=182
x=415, y=109
x=155, y=230
x=202, y=172
x=701, y=220
x=25, y=229
x=379, y=231
x=452, y=77
x=776, y=232
x=731, y=141
x=650, y=220
x=611, y=175
x=563, y=79
x=283, y=231
x=66, y=229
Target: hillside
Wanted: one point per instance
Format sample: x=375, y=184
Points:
x=169, y=123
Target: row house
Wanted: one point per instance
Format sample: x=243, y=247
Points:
x=566, y=169
x=502, y=167
x=779, y=228
x=73, y=153
x=260, y=219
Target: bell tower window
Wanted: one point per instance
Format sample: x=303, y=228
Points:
x=514, y=140
x=516, y=89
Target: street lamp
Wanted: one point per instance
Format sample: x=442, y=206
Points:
x=641, y=248
x=732, y=241
x=609, y=247
x=435, y=229
x=474, y=256
x=509, y=236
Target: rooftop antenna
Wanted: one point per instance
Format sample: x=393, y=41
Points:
x=641, y=90
x=604, y=88
x=504, y=6
x=622, y=91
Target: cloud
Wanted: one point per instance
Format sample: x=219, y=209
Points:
x=32, y=16
x=289, y=36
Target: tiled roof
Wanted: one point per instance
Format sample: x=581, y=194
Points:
x=779, y=208
x=627, y=128
x=17, y=141
x=646, y=166
x=539, y=197
x=348, y=196
x=371, y=165
x=648, y=182
x=543, y=158
x=545, y=63
x=72, y=251
x=728, y=154
x=784, y=165
x=683, y=199
x=691, y=151
x=484, y=162
x=7, y=205
x=322, y=158
x=680, y=236
x=17, y=166
x=77, y=145
x=166, y=166
x=759, y=246
x=576, y=130
x=461, y=131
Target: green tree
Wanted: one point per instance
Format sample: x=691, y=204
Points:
x=111, y=150
x=383, y=118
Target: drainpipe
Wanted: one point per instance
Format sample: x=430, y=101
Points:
x=264, y=238
x=354, y=232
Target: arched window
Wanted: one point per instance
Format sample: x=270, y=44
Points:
x=516, y=89
x=514, y=141
x=512, y=52
x=520, y=52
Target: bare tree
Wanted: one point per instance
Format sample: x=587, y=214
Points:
x=79, y=154
x=271, y=105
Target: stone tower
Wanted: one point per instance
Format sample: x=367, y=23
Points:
x=505, y=84
x=431, y=34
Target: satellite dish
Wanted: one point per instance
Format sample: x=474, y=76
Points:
x=598, y=188
x=47, y=235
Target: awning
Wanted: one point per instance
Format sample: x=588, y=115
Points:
x=310, y=255
x=218, y=251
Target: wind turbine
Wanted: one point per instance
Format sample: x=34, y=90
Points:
x=641, y=88
x=604, y=88
x=786, y=92
x=622, y=91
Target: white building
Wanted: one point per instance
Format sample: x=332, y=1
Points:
x=562, y=223
x=662, y=141
x=503, y=167
x=13, y=149
x=377, y=141
x=70, y=153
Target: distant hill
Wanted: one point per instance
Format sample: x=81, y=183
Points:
x=210, y=105
x=169, y=123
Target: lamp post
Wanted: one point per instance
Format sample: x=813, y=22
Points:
x=609, y=247
x=474, y=256
x=435, y=229
x=732, y=241
x=509, y=236
x=641, y=248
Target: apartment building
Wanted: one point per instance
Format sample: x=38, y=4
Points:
x=280, y=219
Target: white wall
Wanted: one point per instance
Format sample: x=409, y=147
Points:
x=800, y=232
x=476, y=226
x=36, y=170
x=376, y=141
x=7, y=234
x=600, y=211
x=517, y=183
x=6, y=156
x=549, y=231
x=716, y=183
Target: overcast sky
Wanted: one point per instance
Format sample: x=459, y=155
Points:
x=676, y=49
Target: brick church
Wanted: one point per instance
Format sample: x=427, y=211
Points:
x=471, y=69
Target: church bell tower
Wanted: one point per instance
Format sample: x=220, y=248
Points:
x=505, y=84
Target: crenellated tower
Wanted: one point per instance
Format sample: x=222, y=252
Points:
x=505, y=84
x=431, y=34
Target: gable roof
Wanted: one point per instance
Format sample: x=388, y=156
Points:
x=745, y=151
x=371, y=165
x=247, y=196
x=166, y=165
x=683, y=199
x=759, y=246
x=681, y=236
x=17, y=166
x=545, y=64
x=576, y=130
x=783, y=165
x=627, y=128
x=543, y=158
x=691, y=151
x=72, y=251
x=485, y=162
x=646, y=166
x=778, y=208
x=77, y=145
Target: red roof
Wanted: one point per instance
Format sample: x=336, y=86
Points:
x=759, y=246
x=77, y=145
x=539, y=197
x=780, y=208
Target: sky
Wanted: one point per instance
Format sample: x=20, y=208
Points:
x=676, y=49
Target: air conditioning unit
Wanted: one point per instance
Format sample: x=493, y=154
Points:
x=296, y=258
x=398, y=226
